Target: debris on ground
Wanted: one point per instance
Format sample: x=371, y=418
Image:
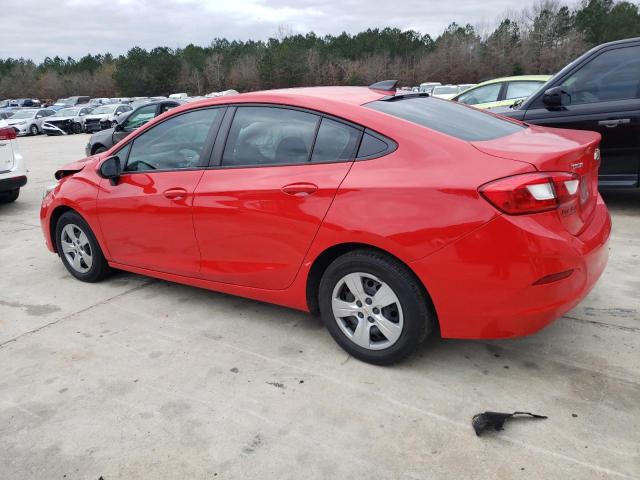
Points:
x=495, y=420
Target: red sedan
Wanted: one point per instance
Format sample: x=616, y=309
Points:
x=389, y=215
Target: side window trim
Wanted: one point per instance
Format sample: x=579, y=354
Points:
x=392, y=146
x=206, y=150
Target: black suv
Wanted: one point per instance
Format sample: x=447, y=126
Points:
x=599, y=91
x=127, y=123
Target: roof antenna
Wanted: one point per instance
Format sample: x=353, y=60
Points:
x=386, y=85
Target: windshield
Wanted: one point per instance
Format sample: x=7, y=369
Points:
x=104, y=109
x=450, y=118
x=444, y=90
x=66, y=112
x=24, y=114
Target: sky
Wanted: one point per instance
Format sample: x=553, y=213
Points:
x=39, y=28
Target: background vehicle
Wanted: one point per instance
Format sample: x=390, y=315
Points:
x=445, y=91
x=262, y=195
x=128, y=122
x=501, y=91
x=103, y=117
x=77, y=100
x=66, y=121
x=4, y=115
x=58, y=104
x=465, y=86
x=29, y=121
x=600, y=91
x=426, y=87
x=28, y=103
x=13, y=173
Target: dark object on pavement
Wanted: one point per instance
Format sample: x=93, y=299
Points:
x=486, y=420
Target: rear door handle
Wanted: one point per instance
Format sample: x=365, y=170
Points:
x=175, y=193
x=614, y=123
x=299, y=189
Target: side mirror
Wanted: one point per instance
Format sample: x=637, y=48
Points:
x=111, y=169
x=553, y=97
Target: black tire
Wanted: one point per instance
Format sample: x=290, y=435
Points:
x=10, y=196
x=33, y=130
x=99, y=149
x=76, y=128
x=99, y=268
x=417, y=310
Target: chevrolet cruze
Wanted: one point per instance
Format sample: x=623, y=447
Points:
x=392, y=216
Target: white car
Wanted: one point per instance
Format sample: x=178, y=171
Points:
x=13, y=173
x=66, y=121
x=445, y=91
x=104, y=117
x=29, y=121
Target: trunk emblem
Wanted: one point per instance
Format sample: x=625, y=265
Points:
x=577, y=165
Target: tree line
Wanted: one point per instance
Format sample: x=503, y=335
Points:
x=536, y=40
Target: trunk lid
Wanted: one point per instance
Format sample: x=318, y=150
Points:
x=557, y=150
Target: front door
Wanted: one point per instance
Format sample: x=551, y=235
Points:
x=146, y=219
x=603, y=95
x=256, y=214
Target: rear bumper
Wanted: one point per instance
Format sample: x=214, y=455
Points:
x=483, y=285
x=8, y=184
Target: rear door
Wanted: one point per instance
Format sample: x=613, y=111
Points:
x=603, y=95
x=258, y=209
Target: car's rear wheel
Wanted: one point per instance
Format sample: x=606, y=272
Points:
x=374, y=307
x=33, y=130
x=10, y=196
x=79, y=250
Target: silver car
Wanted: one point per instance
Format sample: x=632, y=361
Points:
x=103, y=117
x=66, y=121
x=29, y=121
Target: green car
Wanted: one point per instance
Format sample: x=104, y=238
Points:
x=501, y=92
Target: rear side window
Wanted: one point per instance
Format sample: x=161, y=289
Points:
x=521, y=89
x=335, y=141
x=446, y=117
x=269, y=136
x=486, y=94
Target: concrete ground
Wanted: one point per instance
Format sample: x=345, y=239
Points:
x=136, y=378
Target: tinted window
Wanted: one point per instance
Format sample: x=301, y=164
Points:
x=335, y=141
x=612, y=75
x=173, y=144
x=450, y=118
x=140, y=117
x=521, y=89
x=486, y=94
x=371, y=145
x=269, y=136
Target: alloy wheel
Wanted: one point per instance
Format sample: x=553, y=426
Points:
x=76, y=248
x=367, y=310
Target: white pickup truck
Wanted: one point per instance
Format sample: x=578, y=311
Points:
x=13, y=173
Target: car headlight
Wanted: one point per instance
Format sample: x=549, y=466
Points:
x=21, y=123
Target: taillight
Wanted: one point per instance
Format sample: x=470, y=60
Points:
x=7, y=133
x=532, y=192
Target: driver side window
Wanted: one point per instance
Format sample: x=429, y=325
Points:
x=176, y=143
x=139, y=118
x=612, y=75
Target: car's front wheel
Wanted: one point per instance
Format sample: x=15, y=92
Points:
x=33, y=130
x=79, y=250
x=374, y=307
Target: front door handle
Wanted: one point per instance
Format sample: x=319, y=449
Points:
x=299, y=189
x=614, y=123
x=175, y=193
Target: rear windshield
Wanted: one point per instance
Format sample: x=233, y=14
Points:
x=450, y=118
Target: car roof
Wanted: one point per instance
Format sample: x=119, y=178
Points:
x=540, y=78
